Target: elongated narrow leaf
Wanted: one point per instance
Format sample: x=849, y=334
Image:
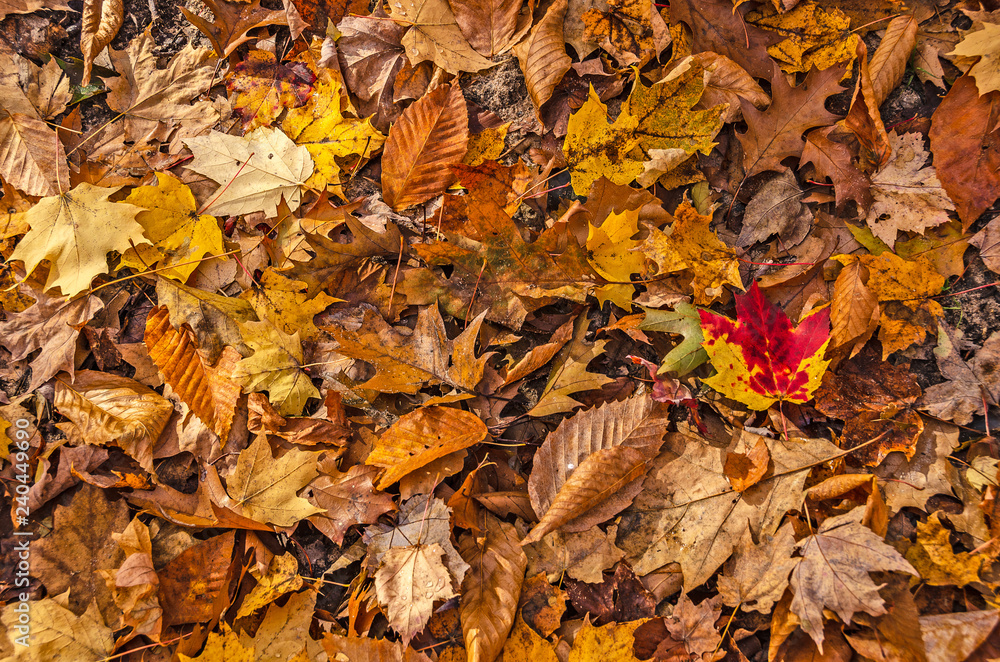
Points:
x=491, y=588
x=430, y=135
x=32, y=158
x=101, y=20
x=207, y=390
x=543, y=55
x=889, y=61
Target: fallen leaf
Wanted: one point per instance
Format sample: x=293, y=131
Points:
x=692, y=247
x=656, y=117
x=542, y=55
x=33, y=159
x=255, y=171
x=264, y=488
x=776, y=133
x=833, y=572
x=29, y=6
x=982, y=44
x=614, y=255
x=888, y=64
x=757, y=574
x=283, y=634
x=956, y=636
x=970, y=387
x=435, y=35
x=938, y=564
x=491, y=589
x=422, y=436
x=430, y=135
x=834, y=160
x=488, y=26
x=726, y=82
x=526, y=645
x=584, y=556
x=106, y=409
x=364, y=649
x=214, y=318
x=99, y=25
x=569, y=373
x=854, y=310
x=747, y=465
x=281, y=577
x=614, y=641
x=410, y=580
x=626, y=31
x=348, y=498
x=232, y=23
x=776, y=209
x=58, y=633
x=75, y=231
x=262, y=88
x=761, y=359
x=542, y=604
x=135, y=584
x=814, y=36
x=718, y=27
x=275, y=366
x=689, y=513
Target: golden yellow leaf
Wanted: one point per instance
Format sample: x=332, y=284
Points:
x=692, y=246
x=614, y=642
x=285, y=303
x=614, y=255
x=107, y=409
x=526, y=645
x=264, y=488
x=222, y=646
x=816, y=37
x=854, y=310
x=100, y=23
x=255, y=171
x=282, y=577
x=938, y=564
x=491, y=589
x=431, y=134
x=275, y=367
x=208, y=390
x=75, y=231
x=58, y=634
x=658, y=117
x=984, y=44
x=422, y=436
x=179, y=234
x=569, y=373
x=487, y=145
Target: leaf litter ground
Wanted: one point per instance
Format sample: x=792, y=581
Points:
x=289, y=512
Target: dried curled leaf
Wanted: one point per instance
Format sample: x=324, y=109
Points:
x=32, y=158
x=430, y=135
x=101, y=20
x=542, y=55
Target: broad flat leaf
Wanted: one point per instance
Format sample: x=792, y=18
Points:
x=232, y=23
x=938, y=564
x=281, y=577
x=757, y=574
x=614, y=255
x=275, y=367
x=776, y=209
x=422, y=436
x=776, y=133
x=688, y=512
x=636, y=422
x=283, y=635
x=431, y=134
x=833, y=159
x=983, y=44
x=631, y=31
x=970, y=386
x=491, y=588
x=206, y=389
x=684, y=320
x=526, y=645
x=366, y=649
x=171, y=221
x=105, y=409
x=152, y=95
x=542, y=55
x=264, y=488
x=321, y=127
x=691, y=246
x=814, y=37
x=99, y=25
x=761, y=359
x=60, y=635
x=966, y=148
x=615, y=641
x=75, y=231
x=833, y=572
x=657, y=117
x=956, y=636
x=717, y=27
x=262, y=88
x=488, y=25
x=135, y=584
x=255, y=171
x=29, y=6
x=32, y=158
x=569, y=373
x=888, y=64
x=405, y=362
x=583, y=556
x=214, y=318
x=39, y=92
x=371, y=55
x=286, y=304
x=434, y=35
x=348, y=498
x=52, y=325
x=907, y=194
x=410, y=580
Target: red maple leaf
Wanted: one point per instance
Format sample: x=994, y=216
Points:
x=761, y=358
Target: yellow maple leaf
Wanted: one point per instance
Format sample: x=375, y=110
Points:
x=658, y=117
x=984, y=44
x=172, y=223
x=275, y=367
x=692, y=245
x=285, y=303
x=816, y=37
x=75, y=231
x=320, y=126
x=613, y=256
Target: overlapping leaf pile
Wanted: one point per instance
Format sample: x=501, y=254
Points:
x=322, y=346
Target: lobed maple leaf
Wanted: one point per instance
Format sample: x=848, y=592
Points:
x=761, y=358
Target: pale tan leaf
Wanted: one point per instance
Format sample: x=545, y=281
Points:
x=408, y=583
x=542, y=54
x=833, y=572
x=32, y=158
x=59, y=635
x=569, y=373
x=108, y=409
x=233, y=21
x=854, y=312
x=491, y=588
x=757, y=575
x=488, y=25
x=950, y=637
x=29, y=6
x=101, y=20
x=888, y=62
x=422, y=436
x=725, y=82
x=603, y=474
x=206, y=389
x=264, y=488
x=349, y=499
x=434, y=35
x=431, y=134
x=636, y=422
x=26, y=88
x=366, y=649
